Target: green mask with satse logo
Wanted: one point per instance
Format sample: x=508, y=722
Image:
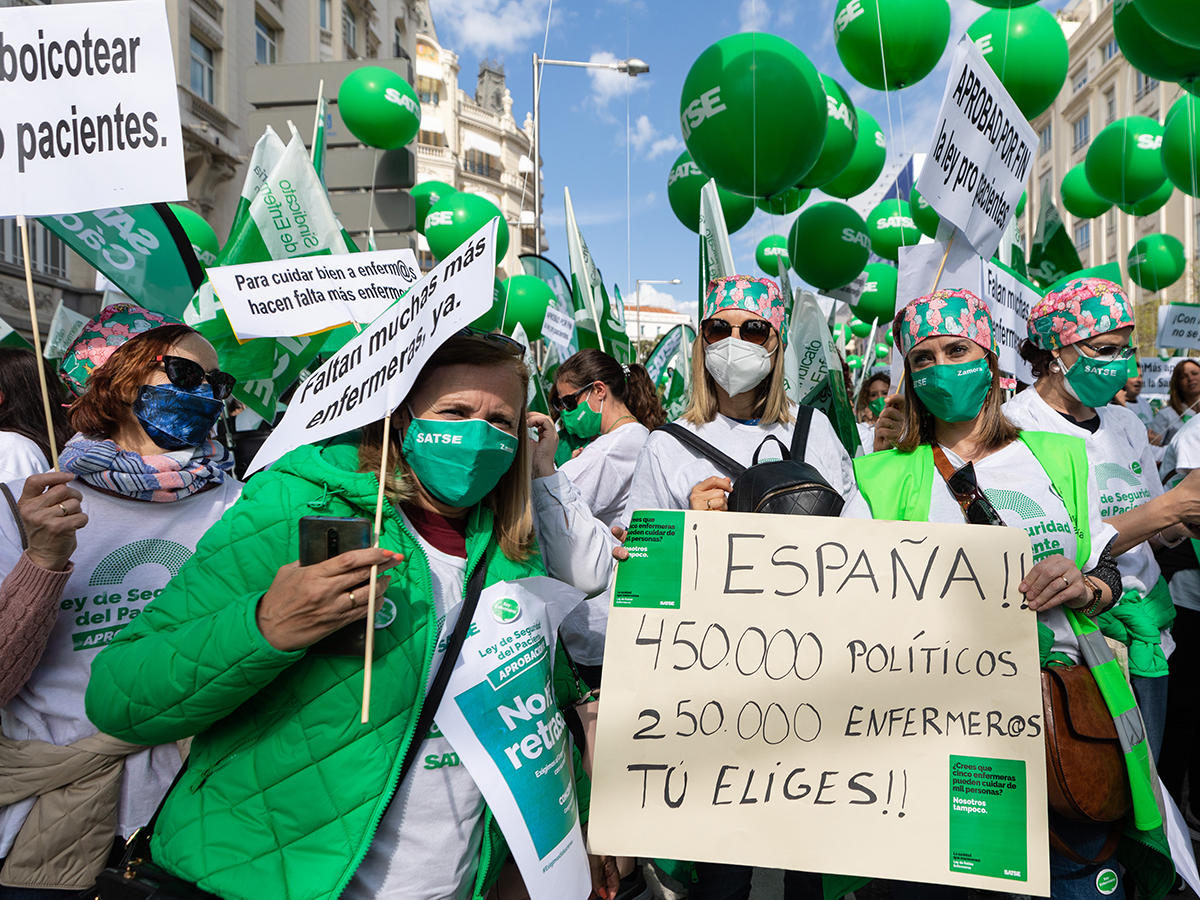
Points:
x=876, y=406
x=1094, y=383
x=458, y=461
x=583, y=421
x=954, y=392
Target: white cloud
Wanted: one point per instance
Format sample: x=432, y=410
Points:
x=756, y=15
x=648, y=140
x=652, y=296
x=669, y=144
x=484, y=26
x=642, y=133
x=609, y=84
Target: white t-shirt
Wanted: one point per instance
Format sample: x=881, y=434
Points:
x=1020, y=490
x=667, y=469
x=126, y=554
x=866, y=438
x=427, y=844
x=1168, y=422
x=1183, y=455
x=603, y=470
x=19, y=458
x=1141, y=408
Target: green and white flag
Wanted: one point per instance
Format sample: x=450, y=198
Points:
x=539, y=266
x=535, y=395
x=716, y=256
x=588, y=296
x=669, y=366
x=267, y=153
x=318, y=143
x=819, y=379
x=9, y=337
x=616, y=333
x=64, y=328
x=1052, y=254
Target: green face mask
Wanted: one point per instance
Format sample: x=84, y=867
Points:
x=1094, y=383
x=954, y=392
x=876, y=406
x=458, y=461
x=583, y=421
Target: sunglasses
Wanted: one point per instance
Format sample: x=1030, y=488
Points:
x=187, y=374
x=978, y=508
x=569, y=402
x=1109, y=352
x=753, y=331
x=516, y=348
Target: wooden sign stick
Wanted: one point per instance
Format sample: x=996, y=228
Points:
x=37, y=342
x=370, y=651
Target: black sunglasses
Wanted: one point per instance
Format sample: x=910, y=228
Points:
x=753, y=331
x=515, y=347
x=568, y=402
x=187, y=374
x=965, y=488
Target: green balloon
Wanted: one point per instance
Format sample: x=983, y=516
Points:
x=924, y=216
x=1151, y=204
x=854, y=362
x=841, y=134
x=753, y=113
x=859, y=328
x=1181, y=145
x=1005, y=4
x=914, y=35
x=891, y=226
x=1027, y=51
x=840, y=330
x=1124, y=163
x=889, y=337
x=1156, y=261
x=490, y=320
x=787, y=202
x=870, y=153
x=199, y=234
x=525, y=299
x=426, y=194
x=1151, y=52
x=456, y=218
x=683, y=193
x=1078, y=197
x=828, y=245
x=1021, y=204
x=878, y=300
x=769, y=250
x=379, y=107
x=1179, y=21
x=882, y=350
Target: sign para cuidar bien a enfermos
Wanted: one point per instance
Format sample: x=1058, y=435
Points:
x=370, y=375
x=1179, y=325
x=981, y=152
x=501, y=717
x=89, y=114
x=856, y=698
x=292, y=297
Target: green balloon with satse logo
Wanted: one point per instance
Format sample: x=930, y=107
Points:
x=924, y=216
x=1151, y=204
x=840, y=331
x=1180, y=21
x=379, y=107
x=841, y=136
x=490, y=320
x=1152, y=52
x=1124, y=162
x=914, y=34
x=878, y=299
x=426, y=195
x=770, y=249
x=1181, y=145
x=882, y=350
x=753, y=113
x=1079, y=198
x=524, y=300
x=1027, y=50
x=866, y=163
x=891, y=226
x=199, y=234
x=829, y=245
x=456, y=218
x=859, y=328
x=684, y=184
x=1156, y=261
x=784, y=202
x=854, y=362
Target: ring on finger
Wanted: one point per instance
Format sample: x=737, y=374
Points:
x=708, y=504
x=352, y=603
x=64, y=509
x=1065, y=582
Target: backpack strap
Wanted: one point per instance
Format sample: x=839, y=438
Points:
x=703, y=447
x=804, y=417
x=770, y=437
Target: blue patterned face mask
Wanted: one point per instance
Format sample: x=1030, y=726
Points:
x=175, y=418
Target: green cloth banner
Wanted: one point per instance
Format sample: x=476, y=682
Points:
x=1052, y=254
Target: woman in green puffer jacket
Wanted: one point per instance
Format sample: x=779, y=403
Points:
x=286, y=794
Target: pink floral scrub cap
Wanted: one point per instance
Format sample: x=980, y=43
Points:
x=1080, y=309
x=101, y=337
x=957, y=313
x=760, y=296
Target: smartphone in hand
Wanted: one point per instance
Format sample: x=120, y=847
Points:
x=322, y=538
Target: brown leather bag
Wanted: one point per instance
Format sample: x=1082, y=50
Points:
x=1086, y=777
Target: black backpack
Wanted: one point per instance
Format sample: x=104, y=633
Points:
x=789, y=486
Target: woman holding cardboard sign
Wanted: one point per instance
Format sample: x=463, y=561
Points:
x=958, y=459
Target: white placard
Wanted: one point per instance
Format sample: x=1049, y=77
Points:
x=64, y=328
x=370, y=375
x=89, y=112
x=1179, y=325
x=849, y=293
x=981, y=153
x=1009, y=301
x=293, y=297
x=557, y=328
x=1156, y=375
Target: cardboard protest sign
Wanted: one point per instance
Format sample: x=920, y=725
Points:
x=89, y=114
x=982, y=149
x=558, y=328
x=1179, y=325
x=290, y=297
x=859, y=698
x=367, y=378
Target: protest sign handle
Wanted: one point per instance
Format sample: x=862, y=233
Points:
x=370, y=651
x=316, y=122
x=946, y=256
x=37, y=341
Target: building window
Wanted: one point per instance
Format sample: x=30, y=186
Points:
x=527, y=239
x=1083, y=235
x=326, y=14
x=1082, y=130
x=47, y=254
x=350, y=29
x=1110, y=50
x=431, y=139
x=479, y=163
x=1110, y=219
x=1045, y=141
x=425, y=260
x=1110, y=106
x=1079, y=79
x=428, y=90
x=1143, y=84
x=265, y=42
x=202, y=71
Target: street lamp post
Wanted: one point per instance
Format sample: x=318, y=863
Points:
x=632, y=67
x=638, y=294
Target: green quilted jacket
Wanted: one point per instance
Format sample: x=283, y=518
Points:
x=284, y=787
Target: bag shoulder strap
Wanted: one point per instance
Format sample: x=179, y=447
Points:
x=946, y=470
x=12, y=504
x=703, y=447
x=804, y=417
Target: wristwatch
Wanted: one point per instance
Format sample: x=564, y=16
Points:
x=1097, y=597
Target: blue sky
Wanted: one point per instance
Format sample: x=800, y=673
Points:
x=584, y=137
